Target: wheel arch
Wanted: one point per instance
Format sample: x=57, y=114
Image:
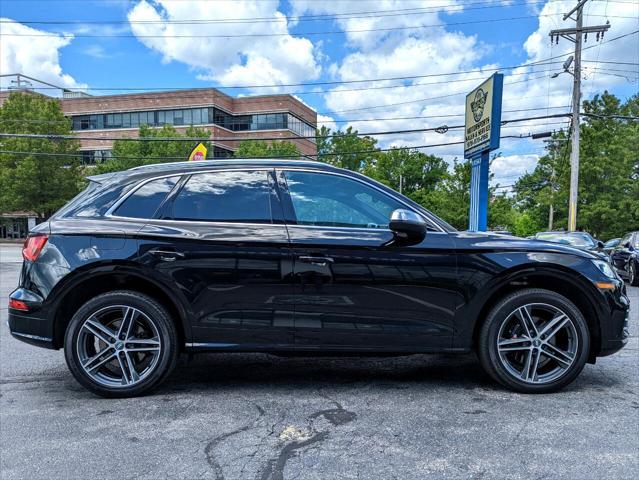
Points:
x=102, y=279
x=560, y=280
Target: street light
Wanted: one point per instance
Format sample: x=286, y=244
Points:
x=566, y=66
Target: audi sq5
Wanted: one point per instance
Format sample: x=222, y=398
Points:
x=298, y=258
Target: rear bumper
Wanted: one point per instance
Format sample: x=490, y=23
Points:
x=32, y=327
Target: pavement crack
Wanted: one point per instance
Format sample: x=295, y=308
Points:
x=275, y=467
x=214, y=442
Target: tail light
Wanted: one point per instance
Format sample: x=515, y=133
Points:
x=18, y=305
x=32, y=247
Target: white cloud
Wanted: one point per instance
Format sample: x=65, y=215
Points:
x=439, y=50
x=250, y=60
x=510, y=167
x=326, y=121
x=98, y=51
x=36, y=56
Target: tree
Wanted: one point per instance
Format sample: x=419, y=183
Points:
x=263, y=149
x=608, y=173
x=133, y=153
x=407, y=170
x=347, y=149
x=42, y=181
x=450, y=199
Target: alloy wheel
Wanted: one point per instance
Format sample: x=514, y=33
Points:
x=537, y=343
x=118, y=346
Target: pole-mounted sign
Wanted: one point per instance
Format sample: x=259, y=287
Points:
x=198, y=153
x=481, y=135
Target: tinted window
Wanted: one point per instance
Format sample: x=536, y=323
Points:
x=225, y=197
x=145, y=200
x=332, y=200
x=95, y=201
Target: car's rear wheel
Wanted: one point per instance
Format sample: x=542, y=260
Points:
x=534, y=341
x=121, y=344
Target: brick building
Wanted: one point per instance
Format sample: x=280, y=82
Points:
x=118, y=116
x=226, y=117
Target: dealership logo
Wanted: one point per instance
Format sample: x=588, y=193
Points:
x=477, y=105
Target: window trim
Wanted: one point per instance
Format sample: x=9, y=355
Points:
x=113, y=208
x=184, y=177
x=289, y=210
x=283, y=198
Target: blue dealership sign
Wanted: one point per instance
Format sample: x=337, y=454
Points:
x=483, y=117
x=481, y=135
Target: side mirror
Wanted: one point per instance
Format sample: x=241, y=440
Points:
x=600, y=245
x=408, y=227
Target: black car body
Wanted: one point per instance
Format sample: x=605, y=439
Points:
x=610, y=245
x=580, y=240
x=625, y=258
x=290, y=257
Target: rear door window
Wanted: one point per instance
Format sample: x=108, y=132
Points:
x=227, y=196
x=144, y=202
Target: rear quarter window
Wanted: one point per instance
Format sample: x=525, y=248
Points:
x=95, y=202
x=144, y=202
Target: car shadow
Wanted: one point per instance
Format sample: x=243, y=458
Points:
x=214, y=371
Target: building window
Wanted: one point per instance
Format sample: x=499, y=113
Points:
x=195, y=116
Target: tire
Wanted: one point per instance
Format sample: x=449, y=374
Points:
x=633, y=278
x=129, y=365
x=528, y=366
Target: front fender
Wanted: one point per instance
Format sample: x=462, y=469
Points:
x=485, y=278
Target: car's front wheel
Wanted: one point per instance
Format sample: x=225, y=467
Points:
x=534, y=341
x=121, y=344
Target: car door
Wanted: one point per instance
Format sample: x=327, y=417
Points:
x=353, y=291
x=221, y=241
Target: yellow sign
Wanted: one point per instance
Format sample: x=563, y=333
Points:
x=483, y=116
x=198, y=153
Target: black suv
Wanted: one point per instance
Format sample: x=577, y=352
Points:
x=294, y=257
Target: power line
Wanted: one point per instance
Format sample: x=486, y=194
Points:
x=438, y=129
x=418, y=117
x=299, y=18
x=538, y=63
x=314, y=92
x=416, y=147
x=286, y=34
x=238, y=139
x=371, y=107
x=339, y=82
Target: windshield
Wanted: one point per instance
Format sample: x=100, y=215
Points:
x=612, y=243
x=574, y=239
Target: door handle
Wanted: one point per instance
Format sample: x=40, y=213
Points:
x=166, y=255
x=321, y=261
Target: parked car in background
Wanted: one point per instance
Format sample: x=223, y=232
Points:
x=293, y=257
x=610, y=245
x=580, y=240
x=625, y=258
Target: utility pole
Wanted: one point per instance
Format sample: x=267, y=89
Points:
x=551, y=210
x=575, y=36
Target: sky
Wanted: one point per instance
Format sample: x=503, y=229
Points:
x=111, y=46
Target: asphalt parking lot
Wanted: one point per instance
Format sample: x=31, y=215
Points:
x=240, y=416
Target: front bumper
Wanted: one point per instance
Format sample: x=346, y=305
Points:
x=31, y=326
x=615, y=326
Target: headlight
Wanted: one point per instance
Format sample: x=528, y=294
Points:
x=605, y=268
